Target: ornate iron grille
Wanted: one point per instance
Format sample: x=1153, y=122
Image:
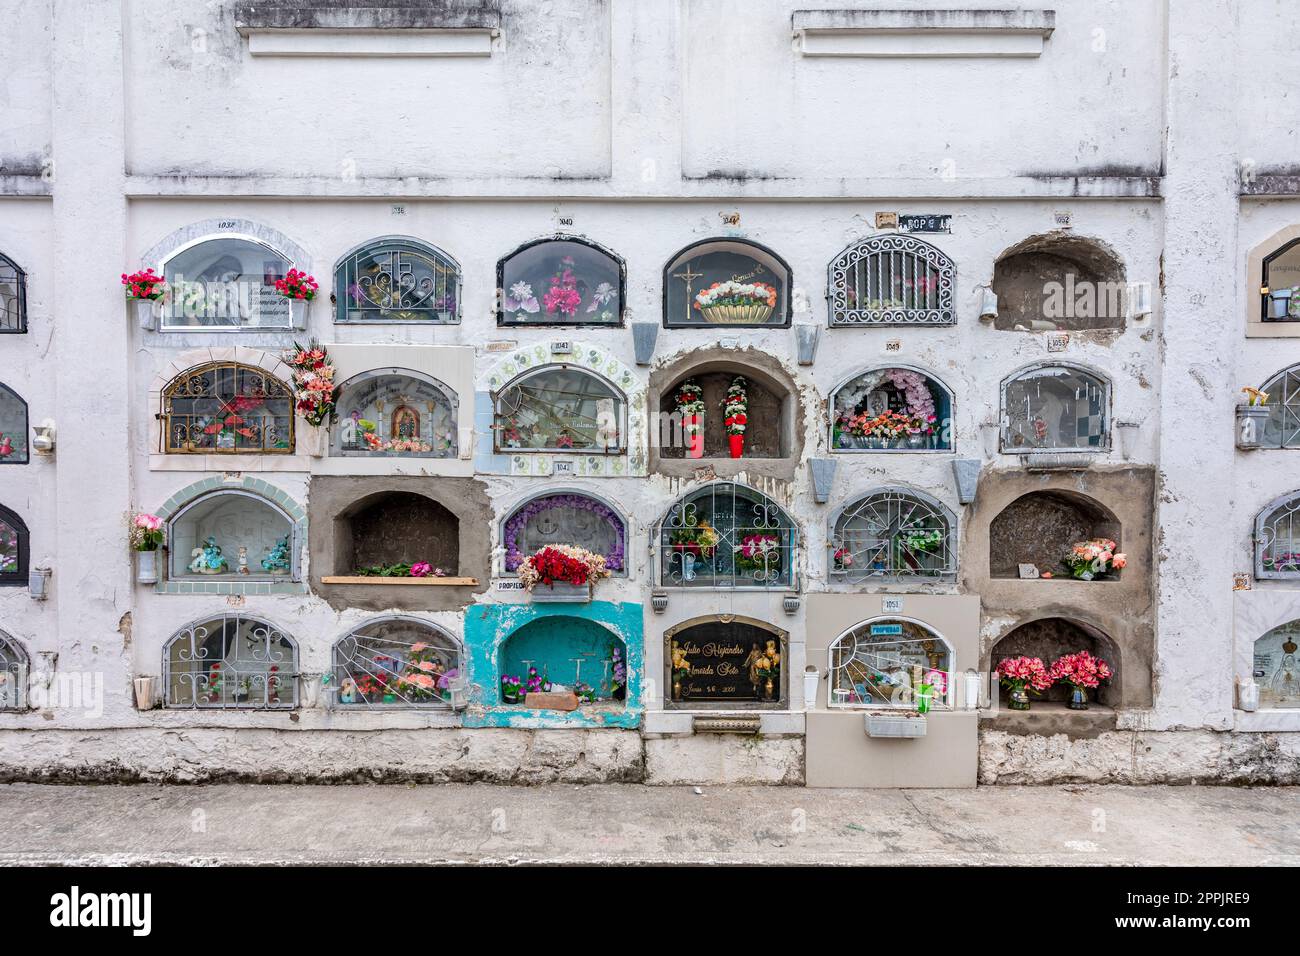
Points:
x=231, y=662
x=727, y=536
x=892, y=280
x=892, y=534
x=397, y=663
x=397, y=281
x=1282, y=428
x=13, y=296
x=227, y=408
x=1277, y=539
x=13, y=675
x=886, y=663
x=559, y=410
x=1053, y=408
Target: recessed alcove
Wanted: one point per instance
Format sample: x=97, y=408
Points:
x=765, y=433
x=1059, y=282
x=723, y=662
x=231, y=534
x=1051, y=638
x=1040, y=527
x=567, y=650
x=396, y=527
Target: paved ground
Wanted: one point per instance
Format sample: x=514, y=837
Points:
x=622, y=824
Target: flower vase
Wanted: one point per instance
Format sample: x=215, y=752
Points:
x=737, y=443
x=146, y=568
x=1078, y=698
x=1018, y=698
x=915, y=441
x=693, y=427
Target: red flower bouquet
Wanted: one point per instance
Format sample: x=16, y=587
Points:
x=564, y=563
x=144, y=285
x=297, y=285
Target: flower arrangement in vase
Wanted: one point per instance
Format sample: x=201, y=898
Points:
x=842, y=559
x=562, y=563
x=690, y=407
x=617, y=673
x=1022, y=676
x=759, y=553
x=313, y=382
x=277, y=560
x=1083, y=673
x=735, y=406
x=423, y=678
x=145, y=284
x=145, y=534
x=736, y=303
x=1093, y=560
x=297, y=285
x=208, y=558
x=699, y=540
x=512, y=689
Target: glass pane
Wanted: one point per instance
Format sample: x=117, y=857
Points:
x=395, y=416
x=1276, y=670
x=395, y=663
x=1282, y=274
x=726, y=537
x=891, y=408
x=232, y=661
x=12, y=317
x=397, y=282
x=1279, y=540
x=564, y=409
x=887, y=663
x=723, y=662
x=1055, y=408
x=230, y=535
x=565, y=519
x=9, y=552
x=228, y=408
x=13, y=676
x=13, y=427
x=891, y=534
x=726, y=283
x=560, y=282
x=226, y=283
x=1282, y=428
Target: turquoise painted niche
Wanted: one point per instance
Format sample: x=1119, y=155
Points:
x=500, y=637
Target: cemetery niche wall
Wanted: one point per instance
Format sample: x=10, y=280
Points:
x=556, y=665
x=1060, y=282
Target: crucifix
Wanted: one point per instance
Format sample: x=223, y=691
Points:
x=688, y=276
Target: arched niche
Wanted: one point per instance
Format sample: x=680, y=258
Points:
x=565, y=517
x=15, y=548
x=1040, y=527
x=891, y=280
x=1055, y=407
x=891, y=408
x=560, y=408
x=1276, y=668
x=232, y=535
x=395, y=413
x=14, y=669
x=726, y=535
x=13, y=296
x=1060, y=282
x=892, y=534
x=1050, y=638
x=696, y=278
x=770, y=426
x=397, y=280
x=231, y=661
x=1282, y=427
x=560, y=280
x=889, y=661
x=566, y=650
x=1277, y=538
x=723, y=661
x=387, y=528
x=229, y=408
x=13, y=428
x=394, y=662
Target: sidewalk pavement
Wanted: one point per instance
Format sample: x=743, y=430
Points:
x=622, y=824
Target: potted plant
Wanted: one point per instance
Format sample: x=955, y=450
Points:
x=298, y=288
x=1093, y=560
x=146, y=537
x=314, y=390
x=1082, y=672
x=562, y=573
x=690, y=408
x=735, y=405
x=1252, y=416
x=736, y=303
x=512, y=689
x=144, y=288
x=1022, y=676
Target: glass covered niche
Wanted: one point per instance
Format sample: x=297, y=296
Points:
x=227, y=408
x=232, y=535
x=225, y=282
x=396, y=662
x=560, y=282
x=890, y=662
x=394, y=413
x=891, y=408
x=1055, y=408
x=727, y=536
x=567, y=518
x=13, y=674
x=397, y=280
x=13, y=427
x=231, y=661
x=560, y=408
x=726, y=282
x=1277, y=670
x=893, y=533
x=720, y=663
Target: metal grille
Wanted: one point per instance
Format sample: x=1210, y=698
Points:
x=398, y=662
x=1277, y=539
x=727, y=536
x=1053, y=408
x=1282, y=428
x=395, y=280
x=13, y=296
x=227, y=408
x=559, y=409
x=13, y=675
x=884, y=663
x=892, y=280
x=231, y=662
x=892, y=534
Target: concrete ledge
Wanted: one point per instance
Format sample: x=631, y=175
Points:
x=922, y=33
x=435, y=15
x=449, y=28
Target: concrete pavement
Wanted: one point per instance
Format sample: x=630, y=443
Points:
x=629, y=823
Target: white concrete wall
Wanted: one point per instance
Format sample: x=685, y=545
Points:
x=637, y=125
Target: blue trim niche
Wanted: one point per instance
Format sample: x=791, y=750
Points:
x=498, y=637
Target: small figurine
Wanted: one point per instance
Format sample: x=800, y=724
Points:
x=348, y=691
x=242, y=567
x=208, y=559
